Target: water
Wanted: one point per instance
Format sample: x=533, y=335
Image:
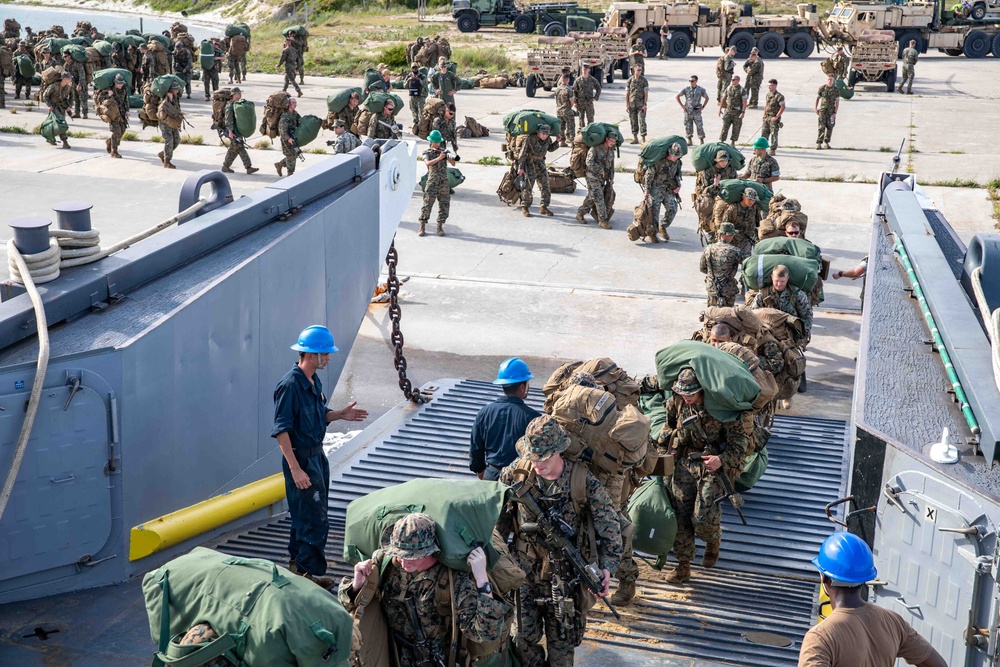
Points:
x=40, y=18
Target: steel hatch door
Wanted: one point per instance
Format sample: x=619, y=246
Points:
x=929, y=559
x=60, y=509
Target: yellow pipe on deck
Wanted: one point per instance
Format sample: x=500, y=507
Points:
x=171, y=529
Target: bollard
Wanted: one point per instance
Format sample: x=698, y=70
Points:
x=73, y=215
x=31, y=235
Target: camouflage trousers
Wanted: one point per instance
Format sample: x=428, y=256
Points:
x=236, y=149
x=535, y=621
x=291, y=157
x=664, y=47
x=171, y=139
x=907, y=78
x=692, y=120
x=722, y=87
x=693, y=491
x=79, y=101
x=290, y=79
x=536, y=173
x=769, y=130
x=416, y=110
x=567, y=127
x=720, y=298
x=628, y=569
x=637, y=119
x=731, y=119
x=211, y=79
x=670, y=204
x=234, y=69
x=243, y=66
x=186, y=77
x=586, y=112
x=3, y=93
x=753, y=91
x=825, y=122
x=598, y=193
x=117, y=131
x=21, y=82
x=437, y=190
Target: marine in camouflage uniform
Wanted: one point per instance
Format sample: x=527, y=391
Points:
x=826, y=105
x=732, y=108
x=565, y=102
x=436, y=189
x=237, y=143
x=530, y=162
x=445, y=124
x=290, y=59
x=237, y=50
x=791, y=300
x=754, y=69
x=586, y=90
x=910, y=55
x=636, y=97
x=183, y=66
x=837, y=64
x=118, y=96
x=774, y=108
x=382, y=125
x=720, y=262
x=662, y=185
x=637, y=54
x=287, y=125
x=540, y=453
x=694, y=487
x=724, y=68
x=19, y=81
x=695, y=99
x=211, y=76
x=79, y=73
x=58, y=97
x=348, y=114
x=762, y=167
x=600, y=181
x=415, y=83
x=478, y=615
x=169, y=115
x=345, y=141
x=745, y=217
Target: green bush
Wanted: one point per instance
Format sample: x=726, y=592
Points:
x=471, y=60
x=394, y=56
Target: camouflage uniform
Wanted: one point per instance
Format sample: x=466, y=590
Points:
x=447, y=129
x=769, y=130
x=600, y=175
x=377, y=126
x=791, y=300
x=183, y=64
x=705, y=180
x=661, y=181
x=692, y=110
x=724, y=68
x=763, y=168
x=480, y=617
x=755, y=77
x=564, y=111
x=290, y=59
x=692, y=488
x=171, y=137
x=20, y=81
x=544, y=438
x=720, y=262
x=299, y=44
x=79, y=73
x=437, y=189
x=417, y=102
x=745, y=219
x=203, y=633
x=586, y=90
x=346, y=143
x=732, y=109
x=910, y=56
x=635, y=96
x=446, y=85
x=770, y=356
x=113, y=95
x=237, y=50
x=828, y=96
x=59, y=98
x=532, y=161
x=287, y=124
x=348, y=115
x=637, y=54
x=237, y=146
x=211, y=76
x=838, y=65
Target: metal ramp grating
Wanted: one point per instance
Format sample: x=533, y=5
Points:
x=764, y=580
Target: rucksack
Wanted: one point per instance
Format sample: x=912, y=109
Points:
x=432, y=109
x=508, y=192
x=753, y=470
x=605, y=371
x=578, y=157
x=768, y=386
x=220, y=99
x=475, y=128
x=639, y=175
x=150, y=107
x=360, y=127
x=6, y=62
x=277, y=104
x=654, y=518
x=561, y=181
x=106, y=107
x=743, y=323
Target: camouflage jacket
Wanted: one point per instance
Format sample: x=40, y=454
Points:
x=437, y=173
x=720, y=262
x=791, y=300
x=564, y=100
x=663, y=177
x=637, y=54
x=289, y=57
x=348, y=115
x=705, y=180
x=744, y=218
x=635, y=91
x=694, y=98
x=183, y=60
x=727, y=440
x=377, y=126
x=840, y=64
x=57, y=97
x=828, y=96
x=772, y=104
x=602, y=511
x=586, y=90
x=733, y=99
x=78, y=71
x=346, y=143
x=601, y=163
x=910, y=56
x=754, y=71
x=771, y=357
x=119, y=59
x=480, y=616
x=287, y=124
x=763, y=167
x=112, y=94
x=446, y=128
x=533, y=151
x=724, y=67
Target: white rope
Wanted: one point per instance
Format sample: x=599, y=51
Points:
x=992, y=320
x=42, y=266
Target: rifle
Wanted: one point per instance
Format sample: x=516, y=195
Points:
x=557, y=536
x=423, y=651
x=734, y=498
x=395, y=128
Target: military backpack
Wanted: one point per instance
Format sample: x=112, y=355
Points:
x=277, y=104
x=578, y=156
x=432, y=109
x=220, y=99
x=606, y=372
x=6, y=62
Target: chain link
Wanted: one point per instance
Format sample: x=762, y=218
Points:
x=395, y=313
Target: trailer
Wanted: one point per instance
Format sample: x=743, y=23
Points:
x=873, y=59
x=547, y=63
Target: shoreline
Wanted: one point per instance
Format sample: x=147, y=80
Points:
x=212, y=20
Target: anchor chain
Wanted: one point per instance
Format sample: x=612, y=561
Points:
x=395, y=313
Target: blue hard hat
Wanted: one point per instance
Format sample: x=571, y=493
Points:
x=845, y=558
x=513, y=371
x=316, y=339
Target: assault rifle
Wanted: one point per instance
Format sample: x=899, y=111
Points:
x=558, y=537
x=734, y=498
x=423, y=651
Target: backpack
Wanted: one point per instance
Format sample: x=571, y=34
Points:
x=150, y=107
x=220, y=99
x=753, y=470
x=578, y=157
x=432, y=109
x=360, y=127
x=6, y=62
x=561, y=181
x=107, y=109
x=508, y=191
x=744, y=323
x=607, y=373
x=277, y=104
x=639, y=175
x=785, y=328
x=768, y=386
x=493, y=82
x=653, y=515
x=477, y=131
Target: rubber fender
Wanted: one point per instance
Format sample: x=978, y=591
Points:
x=222, y=192
x=984, y=252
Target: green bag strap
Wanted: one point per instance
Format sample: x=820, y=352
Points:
x=277, y=579
x=326, y=637
x=385, y=510
x=220, y=647
x=164, y=612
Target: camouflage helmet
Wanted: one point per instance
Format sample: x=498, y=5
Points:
x=675, y=149
x=687, y=383
x=339, y=123
x=235, y=91
x=413, y=537
x=543, y=438
x=200, y=633
x=583, y=379
x=727, y=229
x=751, y=194
x=119, y=78
x=721, y=155
x=543, y=129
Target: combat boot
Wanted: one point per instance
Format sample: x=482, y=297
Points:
x=819, y=146
x=65, y=144
x=440, y=229
x=163, y=160
x=701, y=140
x=711, y=556
x=826, y=145
x=324, y=582
x=252, y=170
x=423, y=228
x=652, y=238
x=663, y=232
x=544, y=210
x=680, y=574
x=604, y=224
x=624, y=594
x=635, y=140
x=116, y=154
x=691, y=141
x=644, y=140
x=579, y=218
x=279, y=166
x=107, y=144
x=227, y=170
x=525, y=212
x=168, y=164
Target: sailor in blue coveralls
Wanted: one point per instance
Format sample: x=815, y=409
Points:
x=300, y=419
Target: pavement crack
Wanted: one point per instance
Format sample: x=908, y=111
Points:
x=563, y=255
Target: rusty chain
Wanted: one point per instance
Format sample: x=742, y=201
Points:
x=395, y=314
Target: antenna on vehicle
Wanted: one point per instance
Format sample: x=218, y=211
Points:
x=896, y=157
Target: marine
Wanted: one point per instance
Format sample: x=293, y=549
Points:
x=183, y=65
x=58, y=97
x=586, y=90
x=19, y=81
x=237, y=51
x=837, y=64
x=436, y=159
x=566, y=111
x=720, y=262
x=695, y=99
x=754, y=69
x=745, y=216
x=416, y=85
x=446, y=82
x=732, y=108
x=445, y=124
x=79, y=74
x=707, y=188
x=171, y=119
x=531, y=164
x=762, y=167
x=774, y=108
x=600, y=181
x=290, y=59
x=826, y=106
x=287, y=124
x=117, y=97
x=785, y=297
x=910, y=55
x=348, y=114
x=637, y=54
x=237, y=142
x=382, y=125
x=724, y=68
x=211, y=75
x=346, y=141
x=663, y=186
x=636, y=99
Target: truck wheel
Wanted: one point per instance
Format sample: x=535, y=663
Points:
x=651, y=41
x=996, y=45
x=979, y=11
x=852, y=79
x=770, y=45
x=680, y=44
x=610, y=78
x=743, y=41
x=529, y=86
x=800, y=45
x=524, y=24
x=977, y=44
x=904, y=42
x=625, y=69
x=890, y=81
x=555, y=29
x=467, y=23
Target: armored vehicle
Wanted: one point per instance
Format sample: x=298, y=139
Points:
x=873, y=59
x=547, y=62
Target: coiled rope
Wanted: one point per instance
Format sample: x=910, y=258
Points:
x=992, y=320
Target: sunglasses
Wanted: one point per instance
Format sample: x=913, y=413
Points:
x=792, y=233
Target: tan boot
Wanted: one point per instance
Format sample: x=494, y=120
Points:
x=644, y=140
x=227, y=170
x=664, y=234
x=116, y=154
x=107, y=144
x=163, y=160
x=440, y=229
x=169, y=165
x=65, y=144
x=252, y=170
x=525, y=212
x=279, y=166
x=579, y=218
x=423, y=229
x=544, y=210
x=635, y=140
x=680, y=574
x=604, y=224
x=652, y=237
x=624, y=594
x=711, y=556
x=325, y=582
x=826, y=145
x=691, y=141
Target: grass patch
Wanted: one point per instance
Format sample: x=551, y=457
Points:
x=156, y=139
x=886, y=149
x=993, y=194
x=957, y=183
x=471, y=60
x=263, y=145
x=13, y=129
x=490, y=161
x=954, y=152
x=131, y=136
x=80, y=135
x=193, y=139
x=317, y=151
x=393, y=56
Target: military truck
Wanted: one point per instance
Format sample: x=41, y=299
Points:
x=554, y=19
x=604, y=51
x=696, y=25
x=919, y=20
x=873, y=59
x=547, y=62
